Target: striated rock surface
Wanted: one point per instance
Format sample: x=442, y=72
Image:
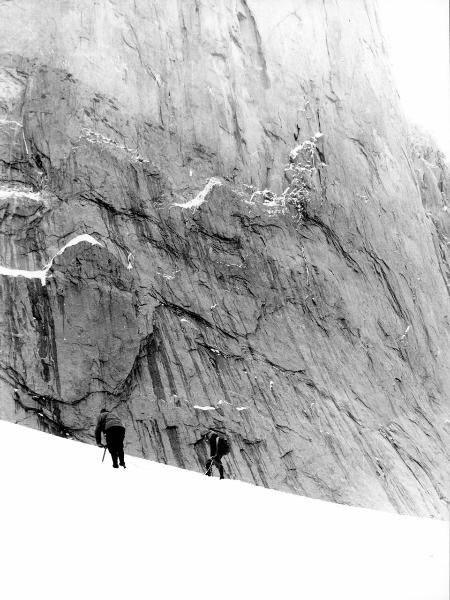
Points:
x=313, y=326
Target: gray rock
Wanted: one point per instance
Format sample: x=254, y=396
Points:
x=313, y=325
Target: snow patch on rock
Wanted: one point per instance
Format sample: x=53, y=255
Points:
x=94, y=137
x=201, y=196
x=43, y=273
x=130, y=259
x=8, y=192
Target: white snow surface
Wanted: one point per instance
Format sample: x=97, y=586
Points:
x=42, y=274
x=201, y=196
x=73, y=527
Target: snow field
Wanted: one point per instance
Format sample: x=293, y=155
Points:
x=74, y=527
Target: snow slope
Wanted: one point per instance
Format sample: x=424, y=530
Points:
x=73, y=527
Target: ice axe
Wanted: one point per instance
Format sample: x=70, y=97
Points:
x=104, y=452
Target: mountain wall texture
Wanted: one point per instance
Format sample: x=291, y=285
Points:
x=214, y=215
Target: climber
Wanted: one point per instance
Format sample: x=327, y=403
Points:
x=110, y=424
x=218, y=447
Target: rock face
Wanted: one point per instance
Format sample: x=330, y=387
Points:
x=313, y=326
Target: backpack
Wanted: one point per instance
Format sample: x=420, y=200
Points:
x=223, y=445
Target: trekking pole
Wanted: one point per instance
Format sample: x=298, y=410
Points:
x=104, y=454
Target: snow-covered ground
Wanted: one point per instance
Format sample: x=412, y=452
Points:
x=72, y=527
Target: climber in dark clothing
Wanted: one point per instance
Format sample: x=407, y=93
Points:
x=218, y=447
x=110, y=424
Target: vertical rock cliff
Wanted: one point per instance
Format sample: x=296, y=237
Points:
x=213, y=214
